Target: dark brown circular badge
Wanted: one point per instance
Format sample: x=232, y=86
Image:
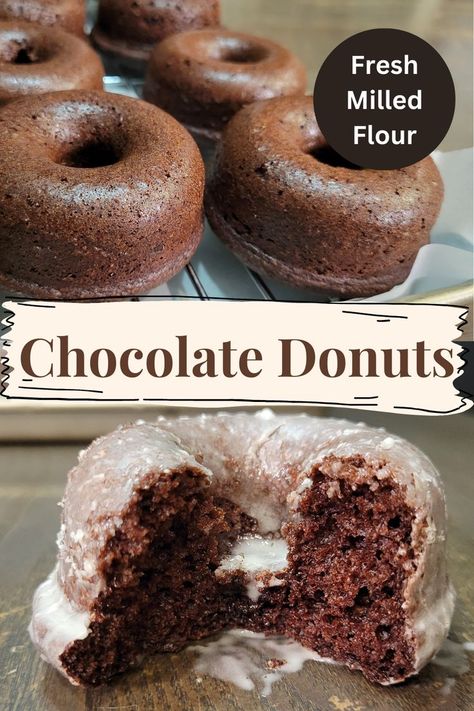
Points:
x=384, y=99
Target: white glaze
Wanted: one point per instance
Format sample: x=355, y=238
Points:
x=255, y=556
x=242, y=658
x=430, y=624
x=70, y=623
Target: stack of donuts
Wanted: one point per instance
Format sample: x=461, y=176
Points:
x=103, y=195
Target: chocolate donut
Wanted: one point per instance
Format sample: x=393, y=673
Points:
x=35, y=59
x=291, y=208
x=100, y=195
x=130, y=29
x=328, y=532
x=70, y=15
x=204, y=77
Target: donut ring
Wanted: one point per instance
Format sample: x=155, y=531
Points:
x=307, y=527
x=203, y=78
x=101, y=195
x=70, y=15
x=130, y=30
x=35, y=59
x=292, y=209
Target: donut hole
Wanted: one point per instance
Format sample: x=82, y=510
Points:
x=92, y=154
x=21, y=51
x=327, y=155
x=84, y=133
x=238, y=52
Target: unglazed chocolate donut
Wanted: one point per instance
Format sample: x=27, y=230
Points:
x=203, y=78
x=328, y=532
x=130, y=29
x=292, y=209
x=35, y=59
x=68, y=14
x=100, y=195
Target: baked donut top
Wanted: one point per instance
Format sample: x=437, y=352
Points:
x=33, y=58
x=83, y=141
x=146, y=22
x=223, y=66
x=68, y=14
x=23, y=44
x=280, y=141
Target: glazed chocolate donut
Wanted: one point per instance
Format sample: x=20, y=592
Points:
x=70, y=15
x=328, y=532
x=100, y=195
x=291, y=208
x=203, y=78
x=130, y=29
x=35, y=59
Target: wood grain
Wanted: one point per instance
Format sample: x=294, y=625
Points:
x=31, y=482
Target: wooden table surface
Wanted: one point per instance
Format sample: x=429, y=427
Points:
x=31, y=482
